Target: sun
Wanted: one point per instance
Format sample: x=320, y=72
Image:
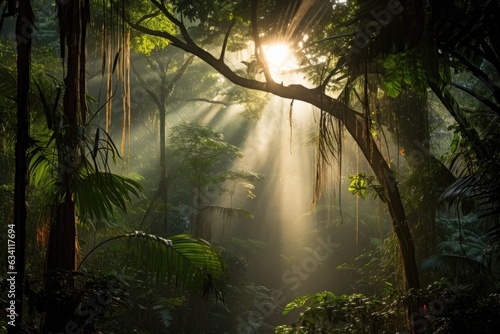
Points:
x=277, y=56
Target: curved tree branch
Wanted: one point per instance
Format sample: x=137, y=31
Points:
x=136, y=25
x=148, y=16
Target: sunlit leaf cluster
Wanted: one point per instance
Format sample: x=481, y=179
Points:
x=360, y=184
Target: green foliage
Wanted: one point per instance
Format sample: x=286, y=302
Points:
x=450, y=307
x=471, y=311
x=96, y=190
x=206, y=10
x=204, y=144
x=376, y=269
x=205, y=156
x=360, y=184
x=325, y=312
x=458, y=142
x=236, y=253
x=89, y=300
x=138, y=10
x=406, y=68
x=98, y=193
x=8, y=84
x=254, y=102
x=441, y=307
x=466, y=253
x=185, y=262
x=242, y=257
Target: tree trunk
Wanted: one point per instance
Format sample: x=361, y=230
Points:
x=161, y=103
x=162, y=188
x=62, y=240
x=61, y=254
x=60, y=302
x=24, y=26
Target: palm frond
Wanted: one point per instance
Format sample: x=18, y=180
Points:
x=198, y=266
x=8, y=83
x=455, y=265
x=469, y=249
x=186, y=262
x=479, y=188
x=98, y=193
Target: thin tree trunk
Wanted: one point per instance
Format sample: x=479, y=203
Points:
x=163, y=123
x=161, y=103
x=61, y=252
x=24, y=27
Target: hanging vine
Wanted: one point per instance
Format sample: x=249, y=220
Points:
x=115, y=47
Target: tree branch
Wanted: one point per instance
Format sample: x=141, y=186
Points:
x=148, y=16
x=174, y=20
x=477, y=96
x=144, y=85
x=491, y=86
x=174, y=40
x=179, y=74
x=201, y=99
x=226, y=37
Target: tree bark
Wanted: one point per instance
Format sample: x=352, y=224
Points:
x=61, y=254
x=24, y=26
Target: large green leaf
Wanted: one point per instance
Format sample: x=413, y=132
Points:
x=184, y=261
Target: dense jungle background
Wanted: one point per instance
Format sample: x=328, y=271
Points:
x=250, y=166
